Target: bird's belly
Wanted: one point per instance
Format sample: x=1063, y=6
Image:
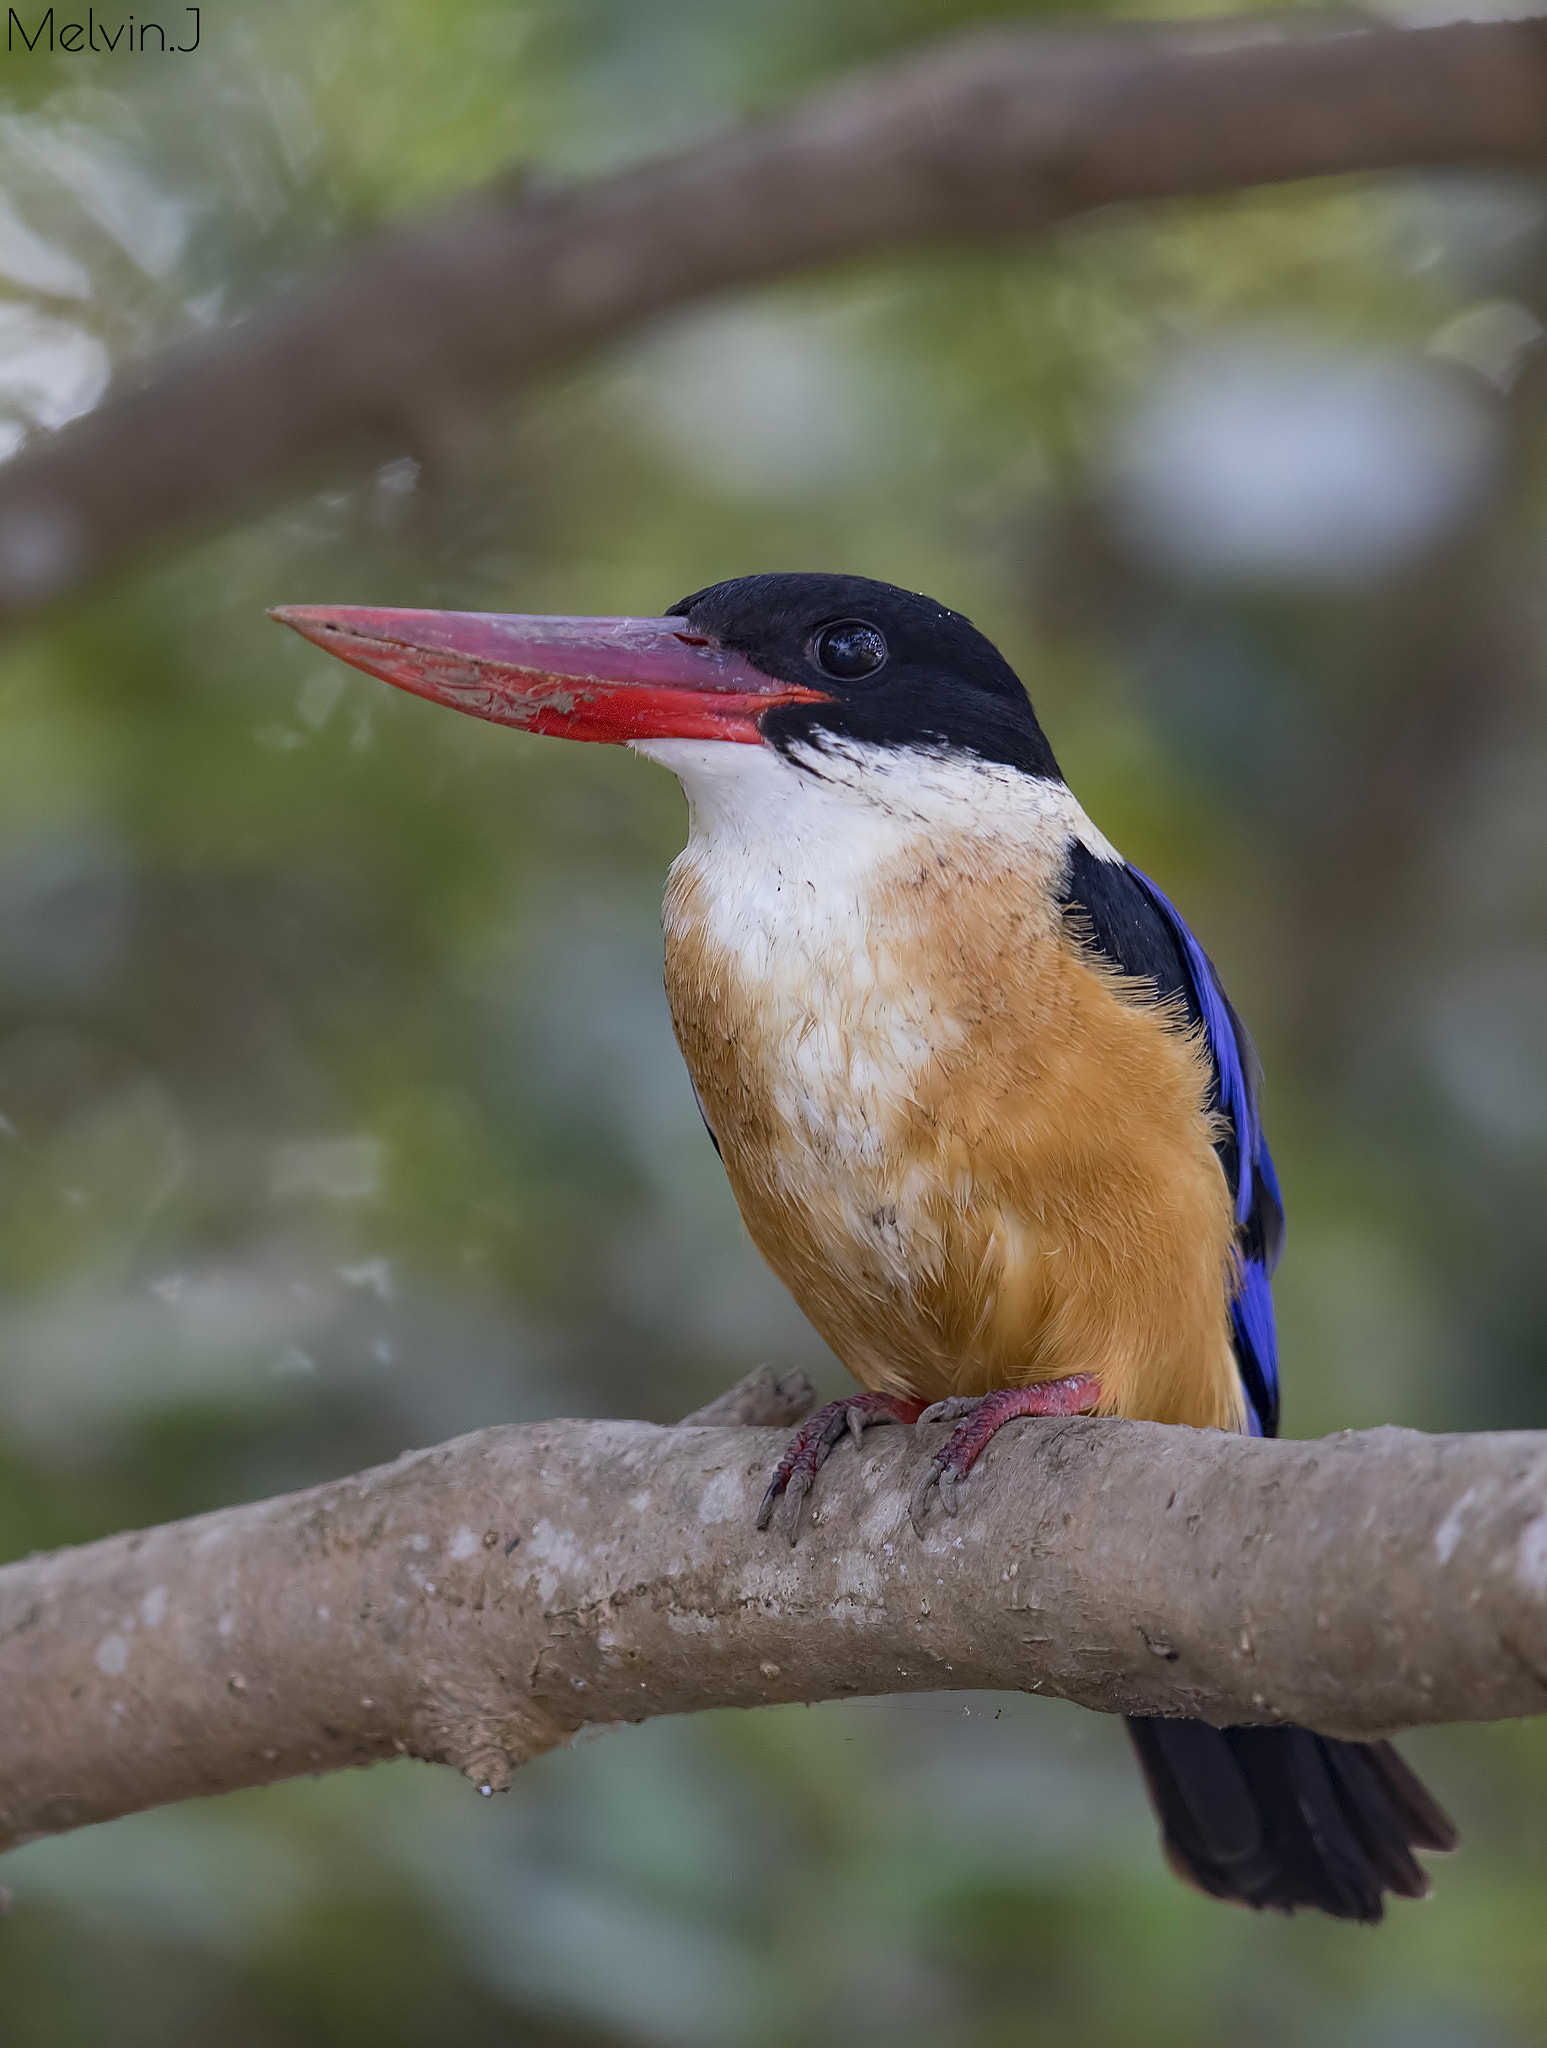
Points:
x=974, y=1165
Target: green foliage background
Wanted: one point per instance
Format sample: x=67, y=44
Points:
x=341, y=1111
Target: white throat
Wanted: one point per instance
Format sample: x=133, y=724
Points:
x=791, y=867
x=834, y=812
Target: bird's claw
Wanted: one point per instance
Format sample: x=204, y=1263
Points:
x=808, y=1450
x=790, y=1486
x=941, y=1475
x=977, y=1417
x=795, y=1491
x=949, y=1409
x=936, y=1477
x=918, y=1505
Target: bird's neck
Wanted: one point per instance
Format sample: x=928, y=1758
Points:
x=819, y=845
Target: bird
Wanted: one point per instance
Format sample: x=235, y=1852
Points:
x=982, y=1100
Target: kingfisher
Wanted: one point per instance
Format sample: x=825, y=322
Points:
x=981, y=1097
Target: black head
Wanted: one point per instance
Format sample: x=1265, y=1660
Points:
x=895, y=669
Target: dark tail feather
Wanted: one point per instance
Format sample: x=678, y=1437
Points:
x=1281, y=1818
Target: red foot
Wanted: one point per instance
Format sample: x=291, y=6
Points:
x=810, y=1445
x=983, y=1414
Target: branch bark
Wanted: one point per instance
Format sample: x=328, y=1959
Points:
x=478, y=1603
x=988, y=135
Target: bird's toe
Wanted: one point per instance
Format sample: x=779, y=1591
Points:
x=812, y=1444
x=950, y=1409
x=795, y=1493
x=918, y=1505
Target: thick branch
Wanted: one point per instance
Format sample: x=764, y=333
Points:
x=988, y=135
x=478, y=1603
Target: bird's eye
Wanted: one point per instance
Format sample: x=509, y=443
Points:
x=849, y=649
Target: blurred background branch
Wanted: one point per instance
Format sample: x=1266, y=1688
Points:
x=991, y=135
x=481, y=1603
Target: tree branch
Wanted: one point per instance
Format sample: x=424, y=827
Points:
x=478, y=1603
x=991, y=134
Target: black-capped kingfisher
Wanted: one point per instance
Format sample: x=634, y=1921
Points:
x=984, y=1105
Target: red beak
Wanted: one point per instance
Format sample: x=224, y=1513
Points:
x=584, y=679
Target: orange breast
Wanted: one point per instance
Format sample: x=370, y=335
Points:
x=975, y=1156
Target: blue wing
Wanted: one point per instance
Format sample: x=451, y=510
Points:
x=1141, y=932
